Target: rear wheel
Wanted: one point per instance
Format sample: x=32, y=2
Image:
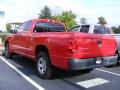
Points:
x=7, y=51
x=43, y=66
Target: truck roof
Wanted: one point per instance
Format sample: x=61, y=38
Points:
x=49, y=21
x=93, y=25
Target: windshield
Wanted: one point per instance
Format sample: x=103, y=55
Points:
x=101, y=29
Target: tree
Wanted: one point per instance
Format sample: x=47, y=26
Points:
x=45, y=13
x=116, y=29
x=102, y=20
x=68, y=17
x=8, y=27
x=83, y=20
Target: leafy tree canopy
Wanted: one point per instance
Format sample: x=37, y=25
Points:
x=45, y=13
x=116, y=29
x=8, y=27
x=68, y=17
x=101, y=20
x=83, y=20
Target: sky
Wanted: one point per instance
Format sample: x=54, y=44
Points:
x=23, y=10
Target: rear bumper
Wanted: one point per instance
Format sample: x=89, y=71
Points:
x=82, y=64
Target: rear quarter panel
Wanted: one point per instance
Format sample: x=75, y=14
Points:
x=56, y=44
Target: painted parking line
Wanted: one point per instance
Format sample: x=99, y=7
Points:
x=92, y=82
x=97, y=81
x=23, y=75
x=108, y=72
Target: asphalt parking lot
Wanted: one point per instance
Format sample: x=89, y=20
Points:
x=19, y=73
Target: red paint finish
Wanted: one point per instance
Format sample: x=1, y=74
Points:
x=61, y=45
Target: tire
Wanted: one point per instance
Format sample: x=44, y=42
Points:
x=43, y=66
x=7, y=51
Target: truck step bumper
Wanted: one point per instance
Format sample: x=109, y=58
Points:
x=82, y=64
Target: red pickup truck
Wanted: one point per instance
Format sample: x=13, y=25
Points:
x=46, y=42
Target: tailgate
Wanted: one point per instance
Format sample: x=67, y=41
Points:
x=91, y=45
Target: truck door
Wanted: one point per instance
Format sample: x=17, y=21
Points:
x=22, y=38
x=15, y=42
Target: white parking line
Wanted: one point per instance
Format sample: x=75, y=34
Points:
x=23, y=75
x=96, y=81
x=92, y=82
x=108, y=72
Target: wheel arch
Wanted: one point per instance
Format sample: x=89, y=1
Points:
x=41, y=48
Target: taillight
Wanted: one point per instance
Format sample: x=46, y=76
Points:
x=78, y=45
x=72, y=45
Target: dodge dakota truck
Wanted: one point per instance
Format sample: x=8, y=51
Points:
x=98, y=29
x=46, y=42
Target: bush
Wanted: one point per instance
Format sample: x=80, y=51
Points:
x=3, y=36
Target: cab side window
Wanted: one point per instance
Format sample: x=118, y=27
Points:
x=27, y=25
x=24, y=27
x=74, y=29
x=40, y=27
x=20, y=28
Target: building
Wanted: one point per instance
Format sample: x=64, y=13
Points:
x=2, y=21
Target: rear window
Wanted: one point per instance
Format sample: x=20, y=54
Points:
x=55, y=27
x=101, y=30
x=48, y=27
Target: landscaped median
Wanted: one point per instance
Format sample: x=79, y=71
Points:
x=1, y=50
x=1, y=47
x=2, y=38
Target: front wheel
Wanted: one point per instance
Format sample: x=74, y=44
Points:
x=43, y=66
x=7, y=51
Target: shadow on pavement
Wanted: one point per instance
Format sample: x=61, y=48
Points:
x=28, y=67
